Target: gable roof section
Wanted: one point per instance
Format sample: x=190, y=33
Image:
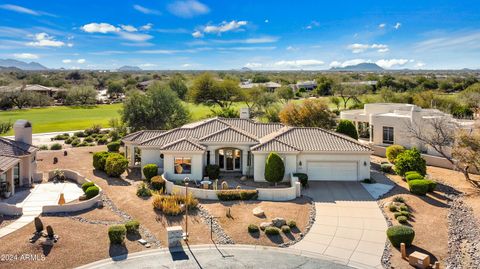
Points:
x=6, y=162
x=230, y=135
x=257, y=129
x=142, y=135
x=14, y=148
x=274, y=146
x=184, y=144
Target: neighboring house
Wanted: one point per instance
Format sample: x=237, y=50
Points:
x=308, y=85
x=241, y=145
x=270, y=86
x=48, y=91
x=18, y=164
x=366, y=83
x=386, y=124
x=144, y=84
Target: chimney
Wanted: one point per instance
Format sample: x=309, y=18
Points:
x=23, y=131
x=244, y=113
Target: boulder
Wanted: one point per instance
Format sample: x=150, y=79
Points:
x=264, y=225
x=258, y=212
x=279, y=222
x=243, y=178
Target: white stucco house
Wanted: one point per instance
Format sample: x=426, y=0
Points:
x=384, y=124
x=18, y=164
x=241, y=145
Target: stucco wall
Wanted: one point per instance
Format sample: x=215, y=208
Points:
x=363, y=171
x=197, y=165
x=11, y=210
x=259, y=159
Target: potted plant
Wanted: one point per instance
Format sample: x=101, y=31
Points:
x=8, y=191
x=58, y=175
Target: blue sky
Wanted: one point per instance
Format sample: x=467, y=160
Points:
x=262, y=35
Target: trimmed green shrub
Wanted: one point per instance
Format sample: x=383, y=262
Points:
x=88, y=139
x=399, y=199
x=418, y=186
x=292, y=224
x=213, y=171
x=400, y=234
x=80, y=134
x=413, y=176
x=157, y=183
x=75, y=142
x=115, y=164
x=43, y=147
x=402, y=219
x=92, y=192
x=347, y=127
x=303, y=178
x=87, y=185
x=286, y=229
x=393, y=208
x=410, y=160
x=232, y=195
x=149, y=171
x=61, y=136
x=69, y=140
x=102, y=141
x=56, y=146
x=402, y=213
x=432, y=185
x=132, y=226
x=393, y=151
x=99, y=160
x=117, y=233
x=252, y=228
x=386, y=167
x=411, y=172
x=403, y=208
x=274, y=168
x=143, y=190
x=272, y=231
x=113, y=146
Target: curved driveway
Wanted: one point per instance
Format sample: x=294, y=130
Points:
x=349, y=225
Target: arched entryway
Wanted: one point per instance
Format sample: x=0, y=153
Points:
x=229, y=159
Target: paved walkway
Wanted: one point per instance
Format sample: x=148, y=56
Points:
x=349, y=225
x=218, y=257
x=41, y=195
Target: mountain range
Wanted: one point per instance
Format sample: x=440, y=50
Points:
x=369, y=67
x=31, y=66
x=129, y=68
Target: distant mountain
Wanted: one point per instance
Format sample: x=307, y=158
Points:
x=129, y=68
x=32, y=66
x=372, y=67
x=245, y=69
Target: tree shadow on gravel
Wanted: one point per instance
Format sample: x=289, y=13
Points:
x=118, y=252
x=110, y=180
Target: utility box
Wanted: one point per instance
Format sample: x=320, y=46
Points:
x=419, y=260
x=174, y=236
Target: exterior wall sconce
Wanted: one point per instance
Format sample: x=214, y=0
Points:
x=300, y=163
x=364, y=163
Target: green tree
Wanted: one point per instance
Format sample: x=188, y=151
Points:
x=177, y=84
x=471, y=96
x=84, y=95
x=309, y=113
x=206, y=90
x=274, y=168
x=410, y=160
x=5, y=127
x=347, y=127
x=285, y=93
x=324, y=86
x=159, y=108
x=115, y=88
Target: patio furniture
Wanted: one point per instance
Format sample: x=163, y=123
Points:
x=206, y=184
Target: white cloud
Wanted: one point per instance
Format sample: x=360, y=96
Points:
x=135, y=36
x=382, y=25
x=81, y=61
x=188, y=8
x=397, y=25
x=28, y=56
x=145, y=10
x=391, y=62
x=380, y=47
x=384, y=63
x=420, y=64
x=220, y=28
x=128, y=28
x=253, y=65
x=286, y=64
x=291, y=48
x=20, y=9
x=359, y=48
x=347, y=63
x=197, y=34
x=451, y=41
x=99, y=28
x=186, y=65
x=255, y=40
x=266, y=21
x=313, y=24
x=146, y=27
x=148, y=65
x=66, y=61
x=69, y=45
x=45, y=40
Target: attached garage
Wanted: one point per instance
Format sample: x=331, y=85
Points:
x=332, y=171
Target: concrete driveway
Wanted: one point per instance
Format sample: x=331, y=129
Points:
x=349, y=225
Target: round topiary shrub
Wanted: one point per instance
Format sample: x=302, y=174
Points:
x=132, y=226
x=92, y=192
x=419, y=186
x=413, y=176
x=213, y=171
x=402, y=213
x=115, y=164
x=274, y=168
x=347, y=127
x=386, y=167
x=87, y=185
x=432, y=185
x=157, y=183
x=113, y=146
x=286, y=229
x=292, y=224
x=403, y=208
x=272, y=231
x=149, y=171
x=400, y=234
x=99, y=160
x=410, y=160
x=56, y=146
x=252, y=228
x=117, y=233
x=402, y=219
x=393, y=151
x=393, y=208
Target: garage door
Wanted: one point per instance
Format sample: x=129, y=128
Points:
x=341, y=171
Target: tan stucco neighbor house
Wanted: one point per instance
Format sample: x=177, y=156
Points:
x=241, y=145
x=18, y=164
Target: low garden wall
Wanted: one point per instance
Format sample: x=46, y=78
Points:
x=70, y=174
x=265, y=194
x=9, y=209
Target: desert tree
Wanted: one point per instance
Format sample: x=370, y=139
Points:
x=466, y=149
x=309, y=113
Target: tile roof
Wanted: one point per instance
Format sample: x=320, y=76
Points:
x=6, y=162
x=14, y=148
x=230, y=134
x=185, y=144
x=257, y=129
x=141, y=136
x=274, y=145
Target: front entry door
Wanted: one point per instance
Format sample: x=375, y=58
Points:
x=229, y=159
x=229, y=156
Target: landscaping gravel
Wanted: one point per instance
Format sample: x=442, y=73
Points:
x=311, y=219
x=222, y=237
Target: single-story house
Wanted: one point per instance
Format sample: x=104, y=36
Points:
x=308, y=85
x=270, y=86
x=241, y=145
x=18, y=164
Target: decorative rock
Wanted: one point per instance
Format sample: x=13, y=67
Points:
x=258, y=212
x=279, y=222
x=264, y=225
x=243, y=178
x=142, y=241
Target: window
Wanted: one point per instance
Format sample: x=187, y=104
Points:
x=208, y=157
x=16, y=174
x=183, y=165
x=388, y=135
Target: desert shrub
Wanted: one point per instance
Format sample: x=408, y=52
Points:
x=117, y=233
x=410, y=160
x=292, y=224
x=132, y=226
x=286, y=229
x=252, y=228
x=393, y=208
x=403, y=208
x=102, y=141
x=143, y=190
x=95, y=129
x=393, y=151
x=92, y=192
x=418, y=186
x=399, y=199
x=172, y=204
x=99, y=160
x=272, y=231
x=232, y=195
x=411, y=172
x=80, y=134
x=402, y=213
x=115, y=164
x=400, y=234
x=88, y=139
x=413, y=176
x=56, y=146
x=61, y=136
x=347, y=127
x=87, y=185
x=69, y=140
x=431, y=185
x=386, y=167
x=303, y=178
x=84, y=144
x=113, y=146
x=157, y=183
x=43, y=147
x=75, y=142
x=274, y=168
x=213, y=171
x=149, y=171
x=402, y=219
